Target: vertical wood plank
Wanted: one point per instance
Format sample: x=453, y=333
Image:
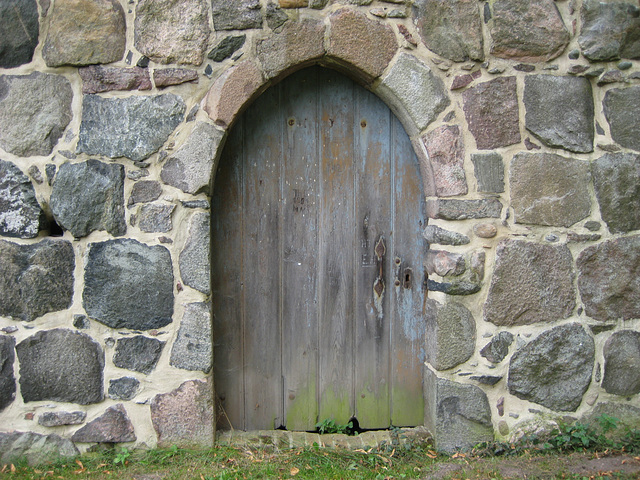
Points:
x=407, y=337
x=373, y=211
x=226, y=290
x=300, y=250
x=261, y=269
x=336, y=279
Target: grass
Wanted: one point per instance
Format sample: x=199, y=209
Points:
x=221, y=463
x=557, y=455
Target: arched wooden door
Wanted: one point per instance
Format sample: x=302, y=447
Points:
x=317, y=275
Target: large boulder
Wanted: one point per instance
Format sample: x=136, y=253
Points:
x=622, y=363
x=609, y=30
x=193, y=348
x=35, y=109
x=195, y=257
x=457, y=415
x=18, y=32
x=172, y=31
x=35, y=279
x=138, y=353
x=452, y=29
x=559, y=111
x=113, y=426
x=527, y=31
x=615, y=178
x=132, y=127
x=622, y=111
x=129, y=284
x=20, y=212
x=37, y=449
x=61, y=365
x=531, y=283
x=554, y=369
x=85, y=32
x=236, y=14
x=609, y=279
x=451, y=335
x=547, y=189
x=89, y=196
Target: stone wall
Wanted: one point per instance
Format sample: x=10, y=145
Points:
x=525, y=119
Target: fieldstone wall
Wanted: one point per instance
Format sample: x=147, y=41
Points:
x=525, y=119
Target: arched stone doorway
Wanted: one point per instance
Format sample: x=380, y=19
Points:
x=318, y=285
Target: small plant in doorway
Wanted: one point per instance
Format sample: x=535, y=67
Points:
x=330, y=426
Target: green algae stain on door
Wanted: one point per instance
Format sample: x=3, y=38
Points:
x=317, y=252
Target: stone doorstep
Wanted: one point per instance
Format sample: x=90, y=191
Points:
x=284, y=439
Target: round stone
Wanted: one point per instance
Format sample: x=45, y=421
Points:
x=485, y=230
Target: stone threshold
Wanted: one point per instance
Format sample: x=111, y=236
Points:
x=284, y=439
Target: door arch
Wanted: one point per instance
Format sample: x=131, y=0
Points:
x=317, y=278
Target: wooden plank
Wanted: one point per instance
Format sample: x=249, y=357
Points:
x=407, y=336
x=300, y=249
x=226, y=268
x=261, y=266
x=373, y=217
x=336, y=267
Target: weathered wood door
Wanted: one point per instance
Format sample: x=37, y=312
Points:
x=317, y=276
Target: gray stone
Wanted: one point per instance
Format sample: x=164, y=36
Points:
x=554, y=369
x=458, y=416
x=609, y=279
x=464, y=209
x=185, y=416
x=133, y=127
x=498, y=348
x=236, y=14
x=7, y=380
x=35, y=279
x=129, y=285
x=34, y=111
x=548, y=189
x=531, y=283
x=195, y=258
x=559, y=111
x=98, y=79
x=452, y=29
x=411, y=87
x=196, y=204
x=138, y=353
x=124, y=388
x=435, y=234
x=444, y=162
x=20, y=212
x=57, y=419
x=172, y=31
x=450, y=333
x=462, y=287
x=615, y=178
x=622, y=111
x=227, y=47
x=34, y=173
x=489, y=171
x=628, y=416
x=155, y=218
x=622, y=363
x=61, y=365
x=592, y=225
x=35, y=448
x=18, y=32
x=486, y=380
x=145, y=191
x=85, y=32
x=527, y=31
x=113, y=426
x=190, y=169
x=192, y=350
x=491, y=109
x=81, y=321
x=275, y=16
x=609, y=30
x=444, y=263
x=89, y=196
